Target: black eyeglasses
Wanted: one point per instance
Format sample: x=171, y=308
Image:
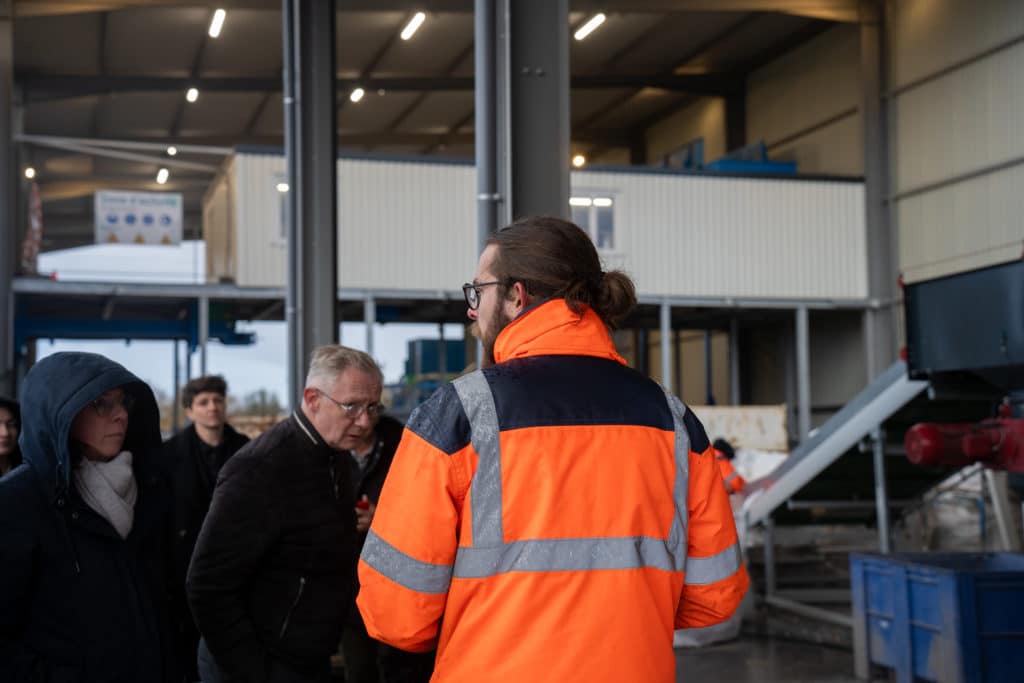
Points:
x=354, y=410
x=105, y=407
x=471, y=290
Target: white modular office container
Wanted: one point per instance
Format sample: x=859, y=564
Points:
x=411, y=225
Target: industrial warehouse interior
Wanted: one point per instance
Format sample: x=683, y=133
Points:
x=817, y=202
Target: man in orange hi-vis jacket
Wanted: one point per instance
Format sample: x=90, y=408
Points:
x=724, y=454
x=554, y=515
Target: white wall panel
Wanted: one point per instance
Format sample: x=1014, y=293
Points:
x=969, y=225
x=968, y=119
x=219, y=226
x=812, y=84
x=703, y=119
x=703, y=236
x=262, y=246
x=834, y=149
x=931, y=35
x=406, y=225
x=412, y=225
x=957, y=122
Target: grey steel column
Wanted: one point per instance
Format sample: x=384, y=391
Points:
x=881, y=494
x=485, y=46
x=369, y=319
x=666, y=345
x=883, y=268
x=803, y=372
x=204, y=332
x=8, y=213
x=442, y=353
x=311, y=153
x=532, y=66
x=734, y=361
x=769, y=557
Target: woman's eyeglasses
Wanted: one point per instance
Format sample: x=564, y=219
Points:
x=105, y=406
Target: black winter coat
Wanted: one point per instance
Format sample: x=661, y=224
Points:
x=193, y=490
x=272, y=573
x=78, y=603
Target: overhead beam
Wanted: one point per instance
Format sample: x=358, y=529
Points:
x=832, y=10
x=224, y=145
x=38, y=87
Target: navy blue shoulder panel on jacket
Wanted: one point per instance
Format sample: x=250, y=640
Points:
x=548, y=391
x=699, y=441
x=441, y=421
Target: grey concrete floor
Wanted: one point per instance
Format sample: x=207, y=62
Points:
x=765, y=660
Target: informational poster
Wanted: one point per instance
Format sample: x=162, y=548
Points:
x=138, y=217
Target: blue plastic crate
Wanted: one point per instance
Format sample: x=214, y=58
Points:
x=945, y=617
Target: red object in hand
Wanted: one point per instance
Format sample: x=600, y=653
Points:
x=363, y=504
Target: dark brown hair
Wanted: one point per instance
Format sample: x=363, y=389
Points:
x=555, y=259
x=212, y=383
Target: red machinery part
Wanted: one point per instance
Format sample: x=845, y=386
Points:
x=997, y=443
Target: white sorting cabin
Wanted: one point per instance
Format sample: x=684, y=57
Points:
x=410, y=225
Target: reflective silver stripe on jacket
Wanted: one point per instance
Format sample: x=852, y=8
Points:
x=701, y=571
x=403, y=569
x=490, y=555
x=478, y=403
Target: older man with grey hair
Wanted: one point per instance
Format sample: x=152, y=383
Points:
x=271, y=578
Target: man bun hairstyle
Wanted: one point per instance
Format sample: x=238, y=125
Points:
x=212, y=383
x=556, y=259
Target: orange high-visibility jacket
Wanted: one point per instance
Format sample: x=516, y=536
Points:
x=551, y=518
x=734, y=483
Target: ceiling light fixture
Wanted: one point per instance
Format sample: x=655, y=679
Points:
x=413, y=25
x=579, y=160
x=357, y=94
x=602, y=201
x=172, y=150
x=589, y=27
x=30, y=173
x=192, y=94
x=580, y=201
x=282, y=187
x=217, y=23
x=162, y=175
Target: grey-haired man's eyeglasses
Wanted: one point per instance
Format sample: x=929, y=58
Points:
x=471, y=290
x=354, y=410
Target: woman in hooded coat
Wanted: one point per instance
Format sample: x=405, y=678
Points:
x=10, y=425
x=83, y=528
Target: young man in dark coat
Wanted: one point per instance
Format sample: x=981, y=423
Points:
x=367, y=660
x=271, y=577
x=194, y=457
x=84, y=562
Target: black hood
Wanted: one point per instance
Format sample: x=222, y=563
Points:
x=55, y=390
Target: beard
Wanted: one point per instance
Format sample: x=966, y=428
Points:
x=499, y=323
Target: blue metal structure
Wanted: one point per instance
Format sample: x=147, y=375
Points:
x=950, y=618
x=30, y=323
